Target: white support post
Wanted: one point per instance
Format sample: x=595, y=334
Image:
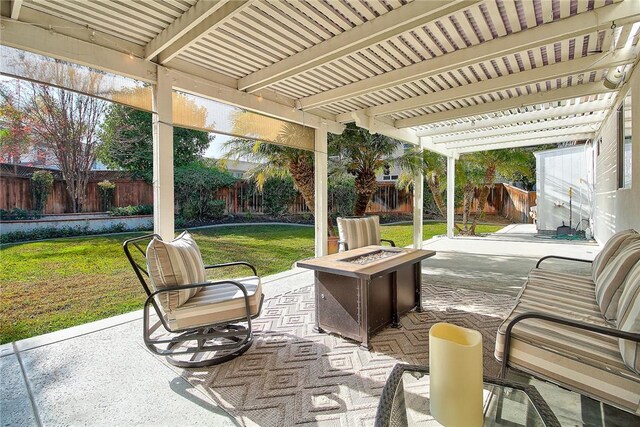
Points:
x=418, y=202
x=321, y=191
x=163, y=205
x=451, y=183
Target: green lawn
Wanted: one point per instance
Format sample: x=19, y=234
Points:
x=51, y=285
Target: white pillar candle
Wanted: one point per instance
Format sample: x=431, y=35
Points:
x=455, y=372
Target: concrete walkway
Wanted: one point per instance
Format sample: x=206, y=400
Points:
x=101, y=374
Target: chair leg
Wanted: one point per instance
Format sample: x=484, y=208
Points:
x=182, y=357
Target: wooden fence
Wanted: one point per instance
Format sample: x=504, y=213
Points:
x=240, y=199
x=508, y=201
x=15, y=192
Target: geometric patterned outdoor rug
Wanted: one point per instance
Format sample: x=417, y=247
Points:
x=293, y=376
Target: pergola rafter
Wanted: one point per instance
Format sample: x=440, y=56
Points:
x=394, y=23
x=192, y=29
x=561, y=94
x=542, y=35
x=478, y=123
x=557, y=125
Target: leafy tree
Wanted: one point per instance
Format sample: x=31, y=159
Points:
x=15, y=138
x=128, y=141
x=342, y=194
x=41, y=186
x=278, y=194
x=362, y=154
x=195, y=187
x=66, y=124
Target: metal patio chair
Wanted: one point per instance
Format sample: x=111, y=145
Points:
x=359, y=231
x=200, y=323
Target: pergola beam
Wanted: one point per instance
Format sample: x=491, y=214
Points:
x=181, y=26
x=545, y=114
x=38, y=40
x=374, y=125
x=385, y=27
x=522, y=41
x=528, y=143
x=558, y=124
x=16, y=5
x=230, y=96
x=219, y=16
x=541, y=74
x=506, y=104
x=517, y=137
x=71, y=49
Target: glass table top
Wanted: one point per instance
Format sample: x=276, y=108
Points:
x=505, y=404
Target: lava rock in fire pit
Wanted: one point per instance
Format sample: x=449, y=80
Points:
x=373, y=256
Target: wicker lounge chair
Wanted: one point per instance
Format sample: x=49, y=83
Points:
x=356, y=232
x=198, y=320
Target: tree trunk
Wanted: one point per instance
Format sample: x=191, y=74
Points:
x=468, y=192
x=489, y=178
x=302, y=172
x=434, y=185
x=366, y=186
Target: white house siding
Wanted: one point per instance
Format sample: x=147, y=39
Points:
x=617, y=209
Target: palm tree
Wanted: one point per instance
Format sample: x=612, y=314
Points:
x=363, y=154
x=275, y=160
x=434, y=169
x=508, y=163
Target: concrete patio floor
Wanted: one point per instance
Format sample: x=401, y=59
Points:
x=101, y=373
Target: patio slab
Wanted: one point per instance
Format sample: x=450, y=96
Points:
x=101, y=373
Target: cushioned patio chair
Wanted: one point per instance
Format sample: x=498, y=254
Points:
x=205, y=322
x=356, y=232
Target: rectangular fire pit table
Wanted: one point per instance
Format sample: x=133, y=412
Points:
x=360, y=291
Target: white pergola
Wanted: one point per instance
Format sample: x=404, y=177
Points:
x=451, y=76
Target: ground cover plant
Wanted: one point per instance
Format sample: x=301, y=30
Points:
x=55, y=284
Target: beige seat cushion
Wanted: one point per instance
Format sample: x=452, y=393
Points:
x=218, y=304
x=628, y=318
x=359, y=232
x=609, y=250
x=609, y=282
x=175, y=263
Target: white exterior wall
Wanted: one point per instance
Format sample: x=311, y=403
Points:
x=617, y=209
x=556, y=172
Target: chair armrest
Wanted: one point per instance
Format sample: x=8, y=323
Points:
x=230, y=264
x=388, y=241
x=344, y=243
x=562, y=257
x=562, y=321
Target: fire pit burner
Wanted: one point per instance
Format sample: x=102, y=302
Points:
x=372, y=256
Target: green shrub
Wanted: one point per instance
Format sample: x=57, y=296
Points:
x=52, y=232
x=195, y=191
x=18, y=214
x=41, y=186
x=107, y=190
x=277, y=195
x=342, y=195
x=132, y=210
